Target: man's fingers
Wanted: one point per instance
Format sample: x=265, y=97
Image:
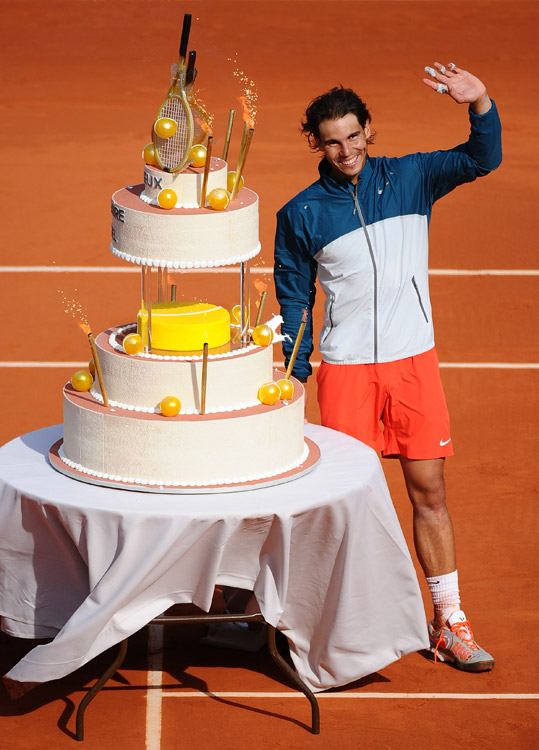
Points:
x=440, y=88
x=437, y=74
x=443, y=72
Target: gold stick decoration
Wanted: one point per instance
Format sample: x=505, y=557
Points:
x=98, y=370
x=173, y=292
x=204, y=384
x=228, y=133
x=241, y=161
x=245, y=303
x=260, y=308
x=243, y=137
x=296, y=345
x=206, y=172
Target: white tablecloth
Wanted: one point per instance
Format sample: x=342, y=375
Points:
x=324, y=554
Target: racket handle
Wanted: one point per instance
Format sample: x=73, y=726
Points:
x=190, y=74
x=185, y=35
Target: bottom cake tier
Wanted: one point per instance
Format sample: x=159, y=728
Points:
x=113, y=445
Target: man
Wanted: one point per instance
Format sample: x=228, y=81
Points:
x=362, y=227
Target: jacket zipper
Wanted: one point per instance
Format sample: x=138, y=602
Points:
x=374, y=268
x=414, y=282
x=330, y=317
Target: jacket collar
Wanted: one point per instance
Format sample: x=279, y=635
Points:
x=342, y=186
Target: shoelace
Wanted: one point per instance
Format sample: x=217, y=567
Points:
x=463, y=631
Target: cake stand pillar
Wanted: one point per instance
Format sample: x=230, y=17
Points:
x=162, y=292
x=245, y=304
x=146, y=305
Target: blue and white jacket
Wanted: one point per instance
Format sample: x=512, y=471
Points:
x=368, y=244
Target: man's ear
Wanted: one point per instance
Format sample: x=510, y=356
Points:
x=367, y=129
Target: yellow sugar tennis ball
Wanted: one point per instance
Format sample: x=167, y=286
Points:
x=231, y=181
x=219, y=199
x=197, y=155
x=269, y=393
x=286, y=387
x=91, y=367
x=235, y=315
x=167, y=198
x=148, y=154
x=165, y=127
x=170, y=406
x=81, y=380
x=133, y=343
x=262, y=335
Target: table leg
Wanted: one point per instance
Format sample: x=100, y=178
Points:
x=90, y=695
x=297, y=681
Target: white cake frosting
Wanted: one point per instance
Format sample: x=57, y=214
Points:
x=187, y=185
x=251, y=444
x=139, y=383
x=184, y=238
x=237, y=439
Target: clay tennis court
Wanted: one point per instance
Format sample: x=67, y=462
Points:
x=82, y=80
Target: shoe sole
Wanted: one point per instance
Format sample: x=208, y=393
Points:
x=480, y=666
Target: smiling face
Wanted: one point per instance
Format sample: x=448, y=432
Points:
x=344, y=144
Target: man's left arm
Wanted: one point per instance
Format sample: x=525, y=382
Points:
x=482, y=153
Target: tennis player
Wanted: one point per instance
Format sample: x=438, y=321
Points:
x=362, y=229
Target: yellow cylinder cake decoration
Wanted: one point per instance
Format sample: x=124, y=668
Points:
x=186, y=326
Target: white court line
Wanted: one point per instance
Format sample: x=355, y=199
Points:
x=258, y=269
x=392, y=696
x=492, y=365
x=44, y=364
x=448, y=365
x=466, y=365
x=127, y=269
x=483, y=272
x=154, y=692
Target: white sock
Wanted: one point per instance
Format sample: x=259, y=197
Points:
x=444, y=591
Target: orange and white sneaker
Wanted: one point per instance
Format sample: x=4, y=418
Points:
x=456, y=644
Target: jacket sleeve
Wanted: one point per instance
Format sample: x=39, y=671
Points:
x=295, y=276
x=481, y=154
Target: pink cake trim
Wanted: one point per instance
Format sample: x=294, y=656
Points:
x=129, y=197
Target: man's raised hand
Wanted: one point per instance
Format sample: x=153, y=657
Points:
x=460, y=85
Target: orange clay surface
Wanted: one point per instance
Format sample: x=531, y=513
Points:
x=82, y=82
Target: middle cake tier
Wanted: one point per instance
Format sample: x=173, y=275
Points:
x=140, y=382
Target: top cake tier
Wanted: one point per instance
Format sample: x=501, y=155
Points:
x=185, y=236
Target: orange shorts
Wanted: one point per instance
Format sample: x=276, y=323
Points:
x=395, y=407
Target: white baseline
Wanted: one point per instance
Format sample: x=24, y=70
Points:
x=259, y=269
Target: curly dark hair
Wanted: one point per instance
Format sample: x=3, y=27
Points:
x=333, y=105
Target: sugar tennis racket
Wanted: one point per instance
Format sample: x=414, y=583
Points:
x=201, y=119
x=172, y=153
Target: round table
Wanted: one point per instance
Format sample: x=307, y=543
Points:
x=324, y=554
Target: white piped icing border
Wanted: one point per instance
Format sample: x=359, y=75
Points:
x=156, y=410
x=183, y=264
x=132, y=327
x=160, y=483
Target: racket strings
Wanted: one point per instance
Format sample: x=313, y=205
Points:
x=172, y=150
